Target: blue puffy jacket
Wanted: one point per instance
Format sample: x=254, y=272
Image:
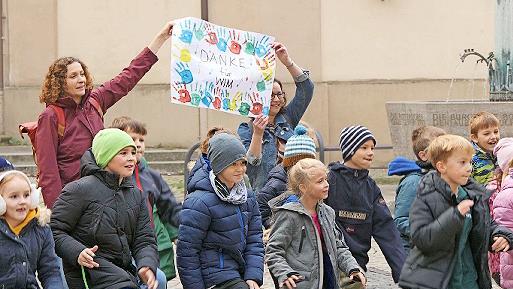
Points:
x=217, y=241
x=275, y=186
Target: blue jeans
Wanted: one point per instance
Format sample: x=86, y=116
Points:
x=161, y=278
x=62, y=274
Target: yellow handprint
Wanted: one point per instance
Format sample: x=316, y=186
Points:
x=233, y=103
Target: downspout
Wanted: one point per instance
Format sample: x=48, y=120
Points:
x=2, y=41
x=203, y=113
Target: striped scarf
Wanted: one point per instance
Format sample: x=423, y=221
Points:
x=237, y=195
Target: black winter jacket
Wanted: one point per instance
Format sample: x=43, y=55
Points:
x=97, y=210
x=362, y=213
x=435, y=224
x=276, y=184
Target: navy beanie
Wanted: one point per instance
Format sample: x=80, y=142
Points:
x=5, y=165
x=352, y=138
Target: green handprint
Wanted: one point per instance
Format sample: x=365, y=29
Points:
x=199, y=33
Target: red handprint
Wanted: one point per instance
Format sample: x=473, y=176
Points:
x=183, y=94
x=256, y=101
x=217, y=100
x=212, y=36
x=234, y=45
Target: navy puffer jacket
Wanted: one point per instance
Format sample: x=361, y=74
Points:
x=217, y=241
x=275, y=186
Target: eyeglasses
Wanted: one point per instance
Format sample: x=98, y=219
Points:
x=280, y=95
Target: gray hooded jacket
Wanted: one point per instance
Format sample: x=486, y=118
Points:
x=295, y=245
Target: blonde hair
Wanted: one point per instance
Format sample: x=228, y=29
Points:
x=211, y=132
x=300, y=173
x=422, y=136
x=10, y=175
x=442, y=147
x=482, y=120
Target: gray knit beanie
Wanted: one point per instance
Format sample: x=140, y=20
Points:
x=223, y=150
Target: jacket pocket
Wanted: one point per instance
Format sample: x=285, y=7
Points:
x=221, y=258
x=303, y=235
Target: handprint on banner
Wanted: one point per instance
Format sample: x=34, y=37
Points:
x=199, y=33
x=183, y=93
x=207, y=94
x=186, y=36
x=226, y=100
x=234, y=45
x=244, y=108
x=217, y=99
x=233, y=102
x=266, y=65
x=197, y=91
x=185, y=73
x=262, y=47
x=260, y=85
x=256, y=101
x=249, y=44
x=265, y=111
x=212, y=37
x=223, y=36
x=185, y=55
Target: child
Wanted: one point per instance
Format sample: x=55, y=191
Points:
x=361, y=211
x=162, y=205
x=101, y=221
x=26, y=240
x=484, y=133
x=412, y=172
x=450, y=223
x=503, y=204
x=305, y=249
x=299, y=146
x=5, y=165
x=220, y=234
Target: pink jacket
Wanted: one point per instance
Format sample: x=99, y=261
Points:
x=503, y=212
x=59, y=159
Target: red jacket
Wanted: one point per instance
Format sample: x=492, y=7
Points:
x=59, y=159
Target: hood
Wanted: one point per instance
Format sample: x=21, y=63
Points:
x=344, y=170
x=199, y=178
x=432, y=181
x=481, y=154
x=401, y=166
x=286, y=197
x=88, y=167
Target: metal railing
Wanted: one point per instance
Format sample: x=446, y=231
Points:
x=322, y=149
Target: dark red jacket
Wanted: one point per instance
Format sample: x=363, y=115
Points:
x=59, y=159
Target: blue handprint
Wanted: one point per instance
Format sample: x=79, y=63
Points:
x=226, y=100
x=223, y=39
x=186, y=35
x=207, y=94
x=184, y=72
x=262, y=47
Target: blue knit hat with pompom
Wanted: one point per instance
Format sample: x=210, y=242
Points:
x=299, y=146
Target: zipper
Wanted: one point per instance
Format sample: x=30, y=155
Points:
x=303, y=235
x=221, y=259
x=241, y=223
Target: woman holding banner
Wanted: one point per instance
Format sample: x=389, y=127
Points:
x=264, y=137
x=74, y=113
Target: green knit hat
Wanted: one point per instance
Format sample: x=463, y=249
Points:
x=107, y=143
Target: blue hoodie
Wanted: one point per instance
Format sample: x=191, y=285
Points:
x=405, y=194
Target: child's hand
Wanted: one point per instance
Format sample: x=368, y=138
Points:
x=291, y=281
x=260, y=123
x=464, y=206
x=86, y=257
x=358, y=277
x=148, y=277
x=500, y=244
x=252, y=284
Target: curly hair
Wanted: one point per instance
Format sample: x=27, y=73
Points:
x=55, y=80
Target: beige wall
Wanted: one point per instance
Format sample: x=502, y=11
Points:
x=360, y=54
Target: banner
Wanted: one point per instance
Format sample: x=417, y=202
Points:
x=221, y=68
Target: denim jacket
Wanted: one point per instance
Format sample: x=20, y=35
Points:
x=285, y=122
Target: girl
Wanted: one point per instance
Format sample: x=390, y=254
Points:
x=266, y=135
x=25, y=239
x=220, y=234
x=305, y=249
x=503, y=204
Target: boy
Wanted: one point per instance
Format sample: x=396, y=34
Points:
x=484, y=133
x=412, y=172
x=162, y=205
x=361, y=211
x=450, y=223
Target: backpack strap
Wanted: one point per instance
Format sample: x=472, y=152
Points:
x=96, y=105
x=61, y=119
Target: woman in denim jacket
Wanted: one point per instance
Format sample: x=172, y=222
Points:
x=272, y=132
